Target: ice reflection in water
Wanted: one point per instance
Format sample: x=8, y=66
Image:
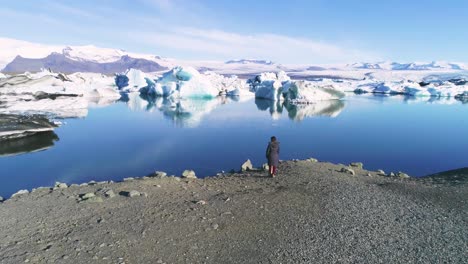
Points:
x=330, y=108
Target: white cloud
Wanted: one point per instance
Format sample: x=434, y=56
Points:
x=228, y=45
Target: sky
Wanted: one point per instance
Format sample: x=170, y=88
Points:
x=293, y=31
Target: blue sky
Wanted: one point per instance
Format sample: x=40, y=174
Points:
x=294, y=31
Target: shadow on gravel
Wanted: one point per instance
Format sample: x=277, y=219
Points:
x=451, y=177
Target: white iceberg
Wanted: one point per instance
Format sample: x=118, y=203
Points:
x=269, y=85
x=278, y=86
x=131, y=81
x=300, y=92
x=186, y=82
x=54, y=94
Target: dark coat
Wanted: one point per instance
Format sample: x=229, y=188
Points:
x=272, y=153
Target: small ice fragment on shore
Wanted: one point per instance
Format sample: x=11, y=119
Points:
x=189, y=174
x=247, y=165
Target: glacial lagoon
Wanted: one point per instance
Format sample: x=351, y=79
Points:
x=137, y=136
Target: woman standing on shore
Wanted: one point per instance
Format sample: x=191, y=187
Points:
x=272, y=155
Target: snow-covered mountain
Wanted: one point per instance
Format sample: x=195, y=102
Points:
x=59, y=62
x=250, y=61
x=412, y=66
x=21, y=56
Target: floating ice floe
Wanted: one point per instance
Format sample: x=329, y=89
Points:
x=54, y=94
x=186, y=82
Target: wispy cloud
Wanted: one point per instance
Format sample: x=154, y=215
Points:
x=218, y=43
x=178, y=36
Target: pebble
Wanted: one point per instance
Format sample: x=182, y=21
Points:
x=403, y=175
x=357, y=165
x=201, y=202
x=381, y=172
x=131, y=193
x=215, y=226
x=348, y=171
x=109, y=193
x=61, y=185
x=159, y=174
x=87, y=196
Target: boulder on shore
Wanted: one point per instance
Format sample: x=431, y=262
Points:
x=348, y=171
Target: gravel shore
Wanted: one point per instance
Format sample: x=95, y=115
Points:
x=310, y=213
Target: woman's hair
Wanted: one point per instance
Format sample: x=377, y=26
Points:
x=273, y=139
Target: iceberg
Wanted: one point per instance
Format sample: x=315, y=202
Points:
x=131, y=80
x=269, y=85
x=186, y=82
x=303, y=92
x=54, y=94
x=278, y=86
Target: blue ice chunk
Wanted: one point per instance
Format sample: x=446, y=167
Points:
x=121, y=80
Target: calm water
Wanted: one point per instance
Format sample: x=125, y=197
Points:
x=135, y=138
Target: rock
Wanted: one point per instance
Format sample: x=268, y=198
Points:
x=109, y=193
x=95, y=199
x=159, y=174
x=201, y=202
x=381, y=172
x=41, y=189
x=143, y=194
x=91, y=198
x=215, y=226
x=391, y=174
x=92, y=183
x=61, y=185
x=131, y=193
x=247, y=166
x=20, y=192
x=312, y=160
x=87, y=196
x=403, y=175
x=265, y=167
x=369, y=174
x=357, y=165
x=189, y=174
x=347, y=170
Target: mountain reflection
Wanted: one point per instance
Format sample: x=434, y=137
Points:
x=37, y=142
